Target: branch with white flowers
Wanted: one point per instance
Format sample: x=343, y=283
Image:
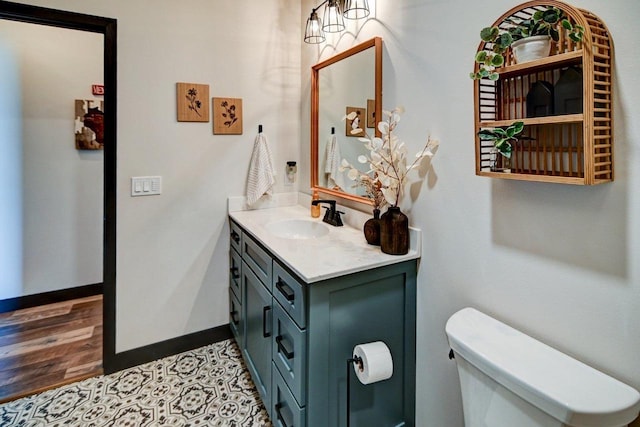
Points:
x=387, y=159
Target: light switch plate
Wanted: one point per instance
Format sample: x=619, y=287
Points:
x=146, y=185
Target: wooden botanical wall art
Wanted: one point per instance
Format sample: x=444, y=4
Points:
x=357, y=123
x=562, y=103
x=192, y=102
x=227, y=116
x=89, y=124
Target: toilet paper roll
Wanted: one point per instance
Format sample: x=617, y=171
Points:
x=377, y=363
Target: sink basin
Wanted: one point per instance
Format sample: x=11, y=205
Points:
x=297, y=229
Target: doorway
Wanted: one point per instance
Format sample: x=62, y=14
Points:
x=85, y=270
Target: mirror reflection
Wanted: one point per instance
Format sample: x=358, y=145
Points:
x=347, y=84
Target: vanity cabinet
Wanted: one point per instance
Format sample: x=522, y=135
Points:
x=298, y=337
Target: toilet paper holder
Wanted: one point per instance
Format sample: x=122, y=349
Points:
x=371, y=362
x=355, y=360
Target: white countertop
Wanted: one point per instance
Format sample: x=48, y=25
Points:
x=343, y=250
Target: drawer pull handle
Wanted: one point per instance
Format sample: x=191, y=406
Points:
x=279, y=416
x=234, y=318
x=234, y=272
x=283, y=349
x=235, y=237
x=285, y=290
x=265, y=310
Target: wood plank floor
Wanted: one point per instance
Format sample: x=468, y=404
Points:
x=50, y=345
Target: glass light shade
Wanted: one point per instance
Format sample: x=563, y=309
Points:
x=313, y=34
x=356, y=9
x=333, y=21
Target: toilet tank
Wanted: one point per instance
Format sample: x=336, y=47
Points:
x=567, y=390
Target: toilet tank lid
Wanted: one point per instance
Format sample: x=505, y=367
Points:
x=561, y=386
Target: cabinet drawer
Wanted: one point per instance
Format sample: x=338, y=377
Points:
x=289, y=353
x=290, y=294
x=235, y=236
x=285, y=411
x=235, y=266
x=257, y=258
x=235, y=318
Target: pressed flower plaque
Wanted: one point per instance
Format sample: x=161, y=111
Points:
x=227, y=116
x=354, y=124
x=192, y=102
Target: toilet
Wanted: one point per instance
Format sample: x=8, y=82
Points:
x=509, y=379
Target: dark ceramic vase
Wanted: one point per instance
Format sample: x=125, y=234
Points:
x=372, y=229
x=394, y=232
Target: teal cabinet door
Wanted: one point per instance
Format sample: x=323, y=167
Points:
x=258, y=332
x=376, y=305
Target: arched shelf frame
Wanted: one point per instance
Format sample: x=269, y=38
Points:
x=570, y=147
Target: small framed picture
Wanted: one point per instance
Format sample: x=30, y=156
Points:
x=355, y=127
x=227, y=116
x=192, y=102
x=371, y=113
x=89, y=124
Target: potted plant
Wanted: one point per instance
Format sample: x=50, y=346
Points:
x=529, y=39
x=502, y=144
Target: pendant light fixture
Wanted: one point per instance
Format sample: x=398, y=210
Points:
x=333, y=21
x=356, y=9
x=313, y=34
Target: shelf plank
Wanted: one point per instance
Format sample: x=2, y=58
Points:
x=531, y=177
x=553, y=61
x=547, y=120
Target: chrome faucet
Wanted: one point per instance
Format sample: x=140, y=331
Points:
x=331, y=215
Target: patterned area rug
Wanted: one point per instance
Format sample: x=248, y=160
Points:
x=209, y=386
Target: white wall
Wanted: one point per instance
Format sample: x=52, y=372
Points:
x=172, y=249
x=559, y=262
x=61, y=187
x=10, y=173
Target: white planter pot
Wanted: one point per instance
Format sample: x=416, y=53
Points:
x=531, y=48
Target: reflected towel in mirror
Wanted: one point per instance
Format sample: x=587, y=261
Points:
x=335, y=178
x=261, y=170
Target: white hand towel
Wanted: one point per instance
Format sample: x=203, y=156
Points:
x=335, y=178
x=261, y=171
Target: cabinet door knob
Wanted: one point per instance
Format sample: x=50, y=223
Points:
x=279, y=416
x=234, y=318
x=285, y=290
x=235, y=237
x=234, y=272
x=265, y=310
x=283, y=349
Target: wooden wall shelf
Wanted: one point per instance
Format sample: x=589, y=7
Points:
x=574, y=146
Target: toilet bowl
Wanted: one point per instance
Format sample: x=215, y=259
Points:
x=509, y=379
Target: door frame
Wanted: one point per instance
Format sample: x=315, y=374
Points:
x=107, y=27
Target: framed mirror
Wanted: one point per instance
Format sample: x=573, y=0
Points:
x=350, y=82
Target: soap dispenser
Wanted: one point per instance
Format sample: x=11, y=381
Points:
x=315, y=209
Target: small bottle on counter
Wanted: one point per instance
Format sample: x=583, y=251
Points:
x=315, y=209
